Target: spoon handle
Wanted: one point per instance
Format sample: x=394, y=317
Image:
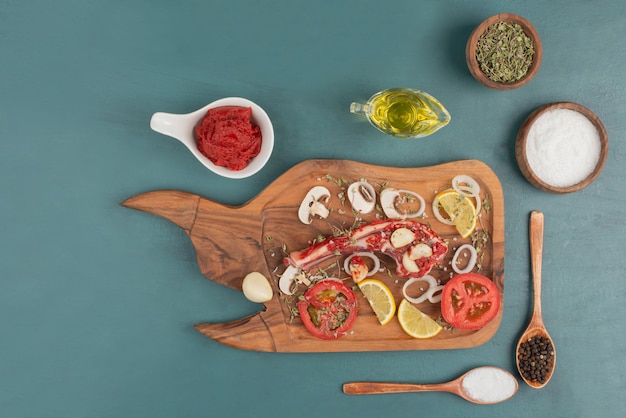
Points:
x=177, y=126
x=372, y=388
x=536, y=255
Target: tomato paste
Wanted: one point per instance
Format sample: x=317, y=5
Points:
x=228, y=137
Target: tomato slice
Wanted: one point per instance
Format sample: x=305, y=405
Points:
x=469, y=301
x=328, y=309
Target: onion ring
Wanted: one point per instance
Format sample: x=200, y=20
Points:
x=387, y=201
x=438, y=215
x=472, y=189
x=469, y=187
x=432, y=284
x=431, y=294
x=470, y=263
x=370, y=255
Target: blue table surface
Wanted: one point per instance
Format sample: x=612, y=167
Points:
x=98, y=302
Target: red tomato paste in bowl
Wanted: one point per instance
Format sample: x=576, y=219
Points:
x=227, y=136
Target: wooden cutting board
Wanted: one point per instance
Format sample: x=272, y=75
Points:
x=232, y=241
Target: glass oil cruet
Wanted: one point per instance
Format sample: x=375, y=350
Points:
x=404, y=112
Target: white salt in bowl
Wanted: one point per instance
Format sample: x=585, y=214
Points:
x=561, y=147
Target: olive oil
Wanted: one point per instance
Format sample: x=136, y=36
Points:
x=404, y=113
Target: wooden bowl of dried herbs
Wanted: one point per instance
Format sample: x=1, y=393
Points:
x=504, y=52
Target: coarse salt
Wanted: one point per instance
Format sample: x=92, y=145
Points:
x=489, y=384
x=563, y=147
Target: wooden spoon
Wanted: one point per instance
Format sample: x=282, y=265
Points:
x=536, y=328
x=505, y=380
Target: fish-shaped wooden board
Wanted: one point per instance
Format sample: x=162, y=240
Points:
x=232, y=241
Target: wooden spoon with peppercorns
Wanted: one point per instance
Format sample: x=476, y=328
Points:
x=535, y=353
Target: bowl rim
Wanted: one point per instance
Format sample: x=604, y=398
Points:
x=474, y=66
x=521, y=140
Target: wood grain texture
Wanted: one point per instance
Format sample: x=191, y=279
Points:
x=536, y=327
x=454, y=386
x=261, y=229
x=379, y=388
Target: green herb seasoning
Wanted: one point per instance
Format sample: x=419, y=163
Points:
x=504, y=52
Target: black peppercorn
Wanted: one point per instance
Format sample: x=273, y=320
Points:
x=536, y=359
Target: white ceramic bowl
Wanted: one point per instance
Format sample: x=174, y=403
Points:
x=181, y=127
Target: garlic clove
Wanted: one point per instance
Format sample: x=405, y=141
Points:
x=402, y=237
x=358, y=272
x=257, y=288
x=409, y=265
x=420, y=250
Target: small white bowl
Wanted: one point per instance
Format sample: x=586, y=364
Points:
x=181, y=127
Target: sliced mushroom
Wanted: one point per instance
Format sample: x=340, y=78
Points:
x=391, y=198
x=362, y=196
x=290, y=278
x=313, y=205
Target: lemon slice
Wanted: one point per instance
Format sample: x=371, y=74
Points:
x=416, y=323
x=380, y=298
x=460, y=209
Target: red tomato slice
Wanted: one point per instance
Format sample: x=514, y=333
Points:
x=469, y=301
x=328, y=309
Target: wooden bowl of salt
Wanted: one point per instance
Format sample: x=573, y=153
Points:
x=561, y=147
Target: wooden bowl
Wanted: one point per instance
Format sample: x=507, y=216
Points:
x=521, y=142
x=474, y=66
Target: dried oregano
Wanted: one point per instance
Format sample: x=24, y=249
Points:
x=504, y=52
